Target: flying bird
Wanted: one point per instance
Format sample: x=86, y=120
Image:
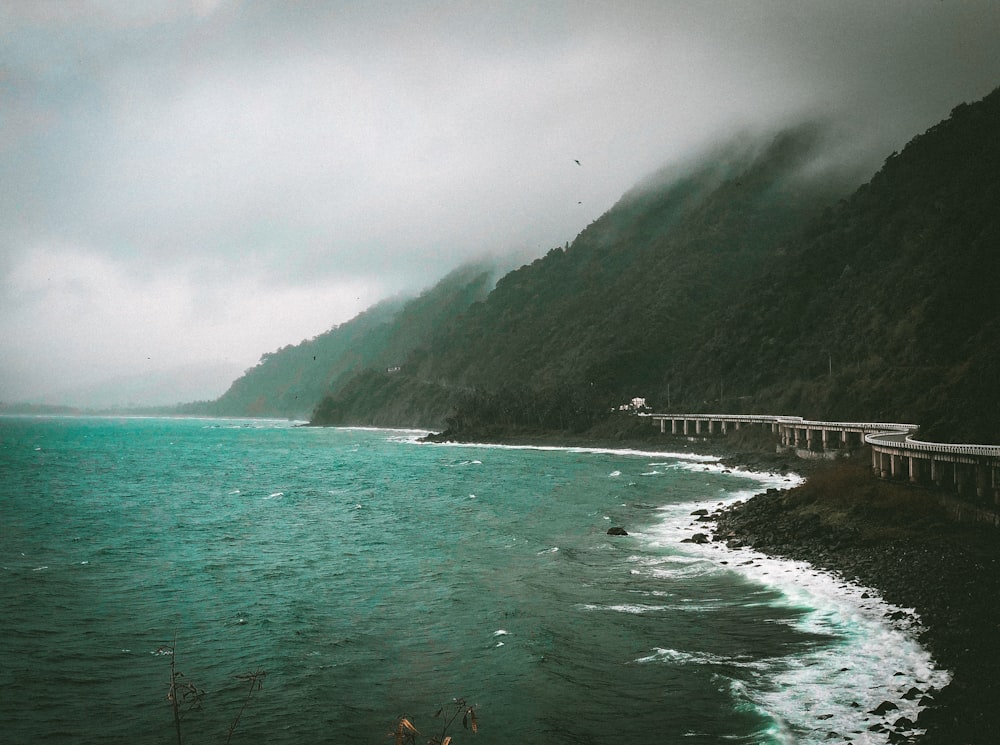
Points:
x=576, y=161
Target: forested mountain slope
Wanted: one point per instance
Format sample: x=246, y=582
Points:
x=888, y=307
x=602, y=319
x=291, y=381
x=742, y=285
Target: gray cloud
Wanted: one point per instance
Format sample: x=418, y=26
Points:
x=218, y=179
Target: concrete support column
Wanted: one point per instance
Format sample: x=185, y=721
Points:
x=697, y=426
x=824, y=434
x=685, y=426
x=935, y=471
x=896, y=465
x=961, y=479
x=982, y=479
x=673, y=426
x=724, y=430
x=809, y=439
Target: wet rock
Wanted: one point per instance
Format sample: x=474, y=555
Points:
x=697, y=538
x=617, y=530
x=884, y=708
x=903, y=723
x=700, y=512
x=912, y=694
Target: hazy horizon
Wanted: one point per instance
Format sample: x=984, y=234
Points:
x=188, y=186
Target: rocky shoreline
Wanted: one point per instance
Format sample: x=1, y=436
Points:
x=896, y=539
x=901, y=542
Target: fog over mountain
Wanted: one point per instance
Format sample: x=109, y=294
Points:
x=187, y=186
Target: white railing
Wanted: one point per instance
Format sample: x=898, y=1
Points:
x=795, y=421
x=908, y=443
x=894, y=436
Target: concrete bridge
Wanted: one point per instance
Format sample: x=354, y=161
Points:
x=972, y=471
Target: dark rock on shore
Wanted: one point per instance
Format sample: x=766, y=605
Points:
x=900, y=541
x=617, y=530
x=697, y=538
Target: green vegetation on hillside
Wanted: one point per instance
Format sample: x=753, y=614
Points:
x=742, y=285
x=291, y=381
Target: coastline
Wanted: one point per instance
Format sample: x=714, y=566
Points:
x=900, y=542
x=892, y=538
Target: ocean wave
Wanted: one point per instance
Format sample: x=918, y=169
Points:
x=677, y=657
x=872, y=657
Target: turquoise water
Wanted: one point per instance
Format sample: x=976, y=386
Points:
x=371, y=576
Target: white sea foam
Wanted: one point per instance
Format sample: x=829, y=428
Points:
x=637, y=609
x=696, y=457
x=677, y=657
x=831, y=688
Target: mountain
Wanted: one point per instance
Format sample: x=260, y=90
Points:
x=598, y=322
x=888, y=306
x=753, y=281
x=291, y=381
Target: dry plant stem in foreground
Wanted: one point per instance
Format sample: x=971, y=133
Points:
x=256, y=681
x=185, y=697
x=405, y=733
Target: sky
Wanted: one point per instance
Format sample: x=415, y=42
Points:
x=185, y=186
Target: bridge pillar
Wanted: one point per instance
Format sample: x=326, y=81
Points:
x=982, y=480
x=918, y=470
x=961, y=479
x=685, y=425
x=896, y=465
x=725, y=430
x=883, y=469
x=825, y=437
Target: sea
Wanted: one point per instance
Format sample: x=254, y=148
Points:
x=316, y=585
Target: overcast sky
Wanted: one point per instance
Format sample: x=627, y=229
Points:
x=192, y=184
